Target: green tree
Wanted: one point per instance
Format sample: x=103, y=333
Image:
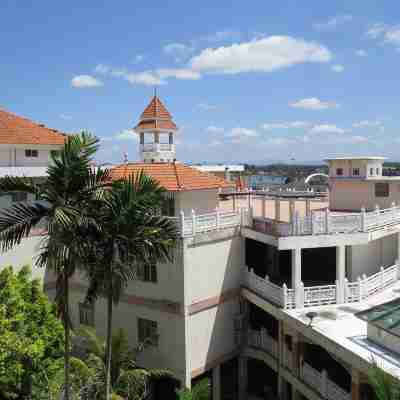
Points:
x=385, y=386
x=127, y=380
x=31, y=337
x=130, y=233
x=200, y=391
x=61, y=209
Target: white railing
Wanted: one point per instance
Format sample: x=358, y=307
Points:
x=309, y=296
x=157, y=147
x=322, y=384
x=280, y=295
x=262, y=340
x=200, y=223
x=325, y=222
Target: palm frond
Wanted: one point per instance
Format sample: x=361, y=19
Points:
x=384, y=385
x=18, y=184
x=17, y=221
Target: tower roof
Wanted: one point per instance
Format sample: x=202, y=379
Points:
x=156, y=116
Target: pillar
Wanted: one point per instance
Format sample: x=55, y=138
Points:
x=264, y=206
x=296, y=355
x=355, y=384
x=296, y=275
x=341, y=272
x=242, y=377
x=308, y=207
x=234, y=202
x=278, y=210
x=216, y=382
x=292, y=208
x=398, y=246
x=141, y=138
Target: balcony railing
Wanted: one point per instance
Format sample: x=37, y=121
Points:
x=320, y=382
x=325, y=222
x=190, y=225
x=262, y=340
x=309, y=296
x=157, y=147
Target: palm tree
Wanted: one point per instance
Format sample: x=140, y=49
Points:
x=200, y=391
x=130, y=233
x=127, y=380
x=384, y=385
x=59, y=209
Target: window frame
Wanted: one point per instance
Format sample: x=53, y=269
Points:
x=356, y=171
x=147, y=331
x=339, y=171
x=31, y=153
x=380, y=192
x=148, y=272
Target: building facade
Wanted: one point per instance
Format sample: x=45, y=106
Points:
x=263, y=294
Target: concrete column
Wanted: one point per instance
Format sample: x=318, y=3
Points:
x=242, y=377
x=292, y=208
x=296, y=268
x=296, y=355
x=216, y=383
x=308, y=207
x=278, y=210
x=264, y=206
x=340, y=271
x=355, y=384
x=234, y=202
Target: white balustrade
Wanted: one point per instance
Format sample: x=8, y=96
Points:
x=200, y=223
x=320, y=382
x=310, y=296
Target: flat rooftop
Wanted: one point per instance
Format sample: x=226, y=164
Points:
x=338, y=325
x=356, y=158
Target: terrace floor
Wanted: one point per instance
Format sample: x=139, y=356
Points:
x=338, y=324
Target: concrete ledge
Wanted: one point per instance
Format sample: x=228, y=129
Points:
x=212, y=236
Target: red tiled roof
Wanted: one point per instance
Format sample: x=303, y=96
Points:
x=156, y=124
x=18, y=130
x=156, y=115
x=173, y=177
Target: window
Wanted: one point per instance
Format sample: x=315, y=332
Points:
x=30, y=153
x=377, y=171
x=356, y=171
x=19, y=196
x=86, y=314
x=381, y=189
x=148, y=273
x=339, y=171
x=168, y=207
x=147, y=332
x=371, y=171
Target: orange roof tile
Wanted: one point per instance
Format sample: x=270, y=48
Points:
x=18, y=130
x=173, y=177
x=156, y=124
x=156, y=115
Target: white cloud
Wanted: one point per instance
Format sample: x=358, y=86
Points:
x=338, y=68
x=85, y=81
x=178, y=73
x=215, y=129
x=280, y=141
x=178, y=51
x=361, y=53
x=148, y=78
x=221, y=35
x=263, y=55
x=207, y=107
x=65, y=117
x=313, y=103
x=327, y=128
x=127, y=134
x=333, y=22
x=242, y=133
x=139, y=58
x=358, y=139
x=285, y=125
x=389, y=34
x=366, y=124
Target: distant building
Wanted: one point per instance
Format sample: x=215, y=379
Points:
x=229, y=172
x=260, y=181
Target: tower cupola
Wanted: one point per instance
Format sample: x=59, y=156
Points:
x=156, y=130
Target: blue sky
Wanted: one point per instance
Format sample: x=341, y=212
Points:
x=245, y=81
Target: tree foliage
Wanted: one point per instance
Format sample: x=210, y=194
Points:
x=384, y=385
x=200, y=391
x=31, y=337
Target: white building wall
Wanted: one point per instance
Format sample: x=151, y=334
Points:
x=202, y=201
x=367, y=259
x=14, y=155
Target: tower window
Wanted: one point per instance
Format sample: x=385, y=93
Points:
x=356, y=171
x=339, y=171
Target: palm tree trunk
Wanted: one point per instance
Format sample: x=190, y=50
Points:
x=109, y=338
x=67, y=336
